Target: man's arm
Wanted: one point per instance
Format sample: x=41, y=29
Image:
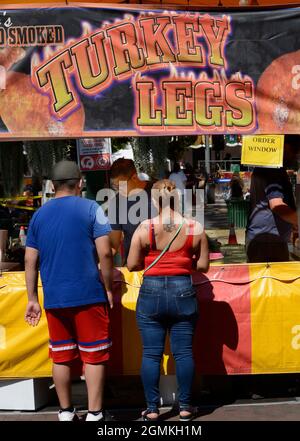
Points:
x=33, y=309
x=277, y=186
x=283, y=210
x=106, y=264
x=115, y=237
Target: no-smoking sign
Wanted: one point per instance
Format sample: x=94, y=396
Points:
x=94, y=154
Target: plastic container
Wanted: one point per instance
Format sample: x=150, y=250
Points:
x=22, y=236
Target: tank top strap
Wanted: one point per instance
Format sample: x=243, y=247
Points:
x=189, y=241
x=152, y=240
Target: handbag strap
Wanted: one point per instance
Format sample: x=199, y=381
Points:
x=165, y=249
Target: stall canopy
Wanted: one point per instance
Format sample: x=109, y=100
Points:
x=88, y=70
x=219, y=3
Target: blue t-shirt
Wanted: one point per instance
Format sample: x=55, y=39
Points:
x=64, y=232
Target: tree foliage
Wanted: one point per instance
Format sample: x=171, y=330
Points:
x=120, y=143
x=150, y=154
x=11, y=168
x=36, y=156
x=42, y=155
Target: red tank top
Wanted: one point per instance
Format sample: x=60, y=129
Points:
x=172, y=263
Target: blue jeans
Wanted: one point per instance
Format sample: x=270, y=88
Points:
x=167, y=304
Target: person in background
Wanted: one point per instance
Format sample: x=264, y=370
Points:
x=247, y=194
x=192, y=181
x=178, y=177
x=6, y=222
x=272, y=209
x=143, y=176
x=68, y=235
x=227, y=158
x=125, y=181
x=202, y=178
x=167, y=299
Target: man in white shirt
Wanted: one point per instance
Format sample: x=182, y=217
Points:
x=178, y=177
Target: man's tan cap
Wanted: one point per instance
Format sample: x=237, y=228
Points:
x=65, y=170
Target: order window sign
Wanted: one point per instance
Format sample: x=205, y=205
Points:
x=263, y=150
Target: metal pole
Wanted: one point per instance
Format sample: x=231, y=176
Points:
x=298, y=200
x=207, y=154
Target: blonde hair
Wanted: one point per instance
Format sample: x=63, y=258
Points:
x=164, y=184
x=165, y=194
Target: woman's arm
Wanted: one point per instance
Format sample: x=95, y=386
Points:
x=135, y=259
x=203, y=261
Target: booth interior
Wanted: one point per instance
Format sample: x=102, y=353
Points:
x=209, y=163
x=249, y=324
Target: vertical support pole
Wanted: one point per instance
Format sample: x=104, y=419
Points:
x=298, y=198
x=207, y=154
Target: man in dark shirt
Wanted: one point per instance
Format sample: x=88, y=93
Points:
x=130, y=207
x=273, y=210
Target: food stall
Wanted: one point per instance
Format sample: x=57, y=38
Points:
x=88, y=71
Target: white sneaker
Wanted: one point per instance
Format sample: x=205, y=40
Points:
x=65, y=415
x=92, y=417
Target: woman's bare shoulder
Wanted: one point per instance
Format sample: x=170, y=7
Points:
x=144, y=226
x=197, y=226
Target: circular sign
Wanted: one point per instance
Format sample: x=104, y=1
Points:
x=102, y=161
x=87, y=162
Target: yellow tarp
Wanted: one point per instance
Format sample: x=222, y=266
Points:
x=275, y=317
x=23, y=349
x=256, y=307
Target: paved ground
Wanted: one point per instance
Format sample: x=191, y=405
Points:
x=215, y=217
x=217, y=226
x=229, y=401
x=217, y=229
x=275, y=411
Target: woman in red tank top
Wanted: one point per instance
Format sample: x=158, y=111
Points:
x=167, y=299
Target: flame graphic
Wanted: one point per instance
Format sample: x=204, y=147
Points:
x=218, y=75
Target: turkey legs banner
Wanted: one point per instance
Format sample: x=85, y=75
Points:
x=88, y=71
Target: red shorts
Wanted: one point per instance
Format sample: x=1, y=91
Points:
x=79, y=331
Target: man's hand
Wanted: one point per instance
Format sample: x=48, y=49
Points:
x=115, y=238
x=33, y=313
x=110, y=299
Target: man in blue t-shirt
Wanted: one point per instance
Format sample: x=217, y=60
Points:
x=67, y=236
x=273, y=210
